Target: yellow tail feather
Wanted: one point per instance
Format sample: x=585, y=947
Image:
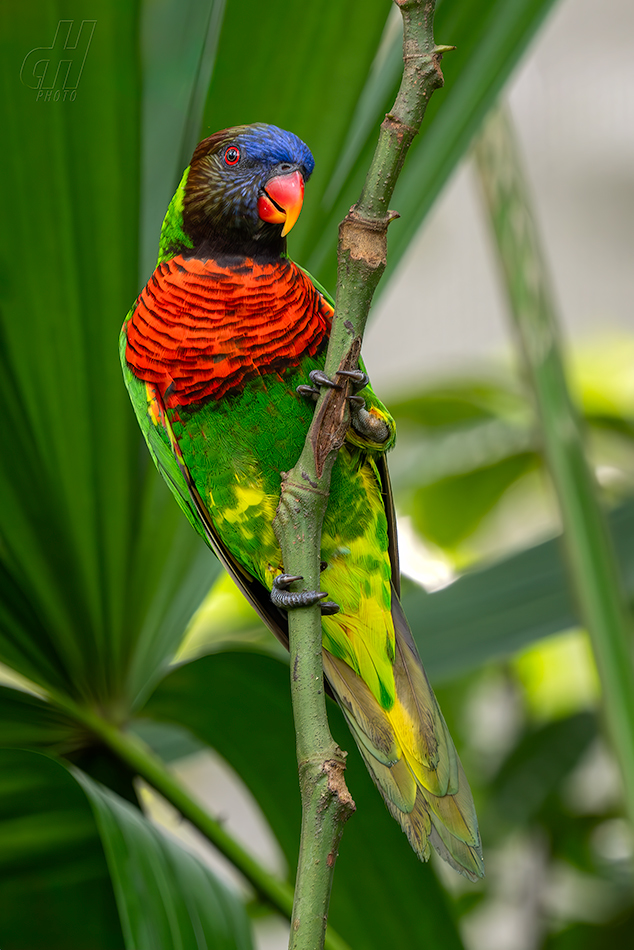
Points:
x=411, y=756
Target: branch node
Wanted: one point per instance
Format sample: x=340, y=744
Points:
x=364, y=239
x=334, y=769
x=392, y=123
x=355, y=219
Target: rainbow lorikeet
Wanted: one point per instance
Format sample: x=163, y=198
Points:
x=213, y=352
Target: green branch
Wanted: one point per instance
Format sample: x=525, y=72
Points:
x=326, y=802
x=591, y=561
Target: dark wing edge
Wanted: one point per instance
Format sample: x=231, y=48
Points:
x=390, y=514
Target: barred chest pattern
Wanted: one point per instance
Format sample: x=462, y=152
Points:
x=200, y=329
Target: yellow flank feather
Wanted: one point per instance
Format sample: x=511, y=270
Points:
x=247, y=496
x=250, y=517
x=362, y=633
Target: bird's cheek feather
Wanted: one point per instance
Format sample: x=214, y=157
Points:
x=282, y=200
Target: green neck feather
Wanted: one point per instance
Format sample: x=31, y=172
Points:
x=173, y=236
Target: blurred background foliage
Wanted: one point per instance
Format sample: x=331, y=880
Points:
x=100, y=575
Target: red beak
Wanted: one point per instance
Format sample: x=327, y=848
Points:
x=282, y=200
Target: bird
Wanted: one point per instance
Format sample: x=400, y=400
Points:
x=221, y=353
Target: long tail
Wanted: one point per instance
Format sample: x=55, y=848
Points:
x=411, y=756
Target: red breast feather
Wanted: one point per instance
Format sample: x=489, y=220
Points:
x=201, y=330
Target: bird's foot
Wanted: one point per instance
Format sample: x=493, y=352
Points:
x=288, y=600
x=318, y=379
x=367, y=425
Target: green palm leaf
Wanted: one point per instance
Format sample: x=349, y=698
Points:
x=64, y=836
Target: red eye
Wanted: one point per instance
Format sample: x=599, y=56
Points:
x=232, y=155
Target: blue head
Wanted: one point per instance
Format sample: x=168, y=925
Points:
x=245, y=189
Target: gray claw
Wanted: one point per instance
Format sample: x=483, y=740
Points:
x=319, y=378
x=304, y=390
x=357, y=402
x=330, y=607
x=357, y=376
x=289, y=600
x=284, y=581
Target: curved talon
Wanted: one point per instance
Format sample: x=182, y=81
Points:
x=319, y=378
x=359, y=379
x=284, y=581
x=330, y=607
x=305, y=390
x=289, y=600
